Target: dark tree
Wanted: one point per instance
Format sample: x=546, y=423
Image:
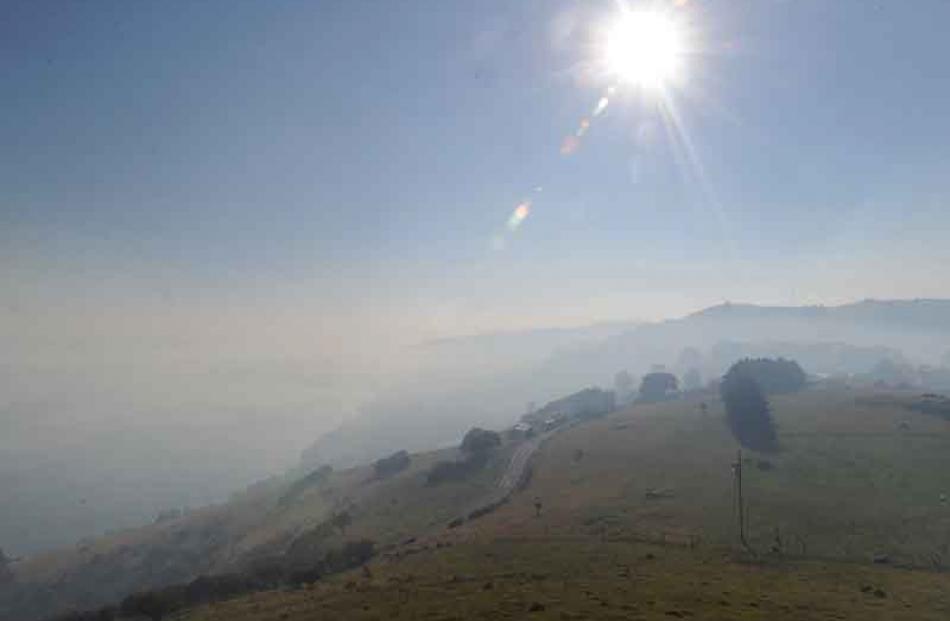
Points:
x=657, y=386
x=747, y=412
x=397, y=462
x=341, y=520
x=480, y=441
x=206, y=588
x=352, y=554
x=305, y=575
x=774, y=376
x=153, y=605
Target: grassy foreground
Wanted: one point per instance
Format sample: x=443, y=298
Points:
x=587, y=579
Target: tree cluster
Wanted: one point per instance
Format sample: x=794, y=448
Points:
x=773, y=375
x=158, y=604
x=388, y=466
x=583, y=404
x=476, y=447
x=479, y=440
x=747, y=410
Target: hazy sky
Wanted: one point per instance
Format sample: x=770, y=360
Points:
x=352, y=161
x=238, y=211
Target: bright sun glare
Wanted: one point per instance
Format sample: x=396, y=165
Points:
x=644, y=48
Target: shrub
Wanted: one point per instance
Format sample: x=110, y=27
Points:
x=351, y=554
x=307, y=575
x=489, y=508
x=341, y=520
x=387, y=466
x=266, y=573
x=210, y=588
x=445, y=471
x=480, y=441
x=154, y=605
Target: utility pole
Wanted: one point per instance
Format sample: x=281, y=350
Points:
x=740, y=505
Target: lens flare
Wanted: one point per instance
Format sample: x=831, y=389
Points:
x=642, y=47
x=518, y=215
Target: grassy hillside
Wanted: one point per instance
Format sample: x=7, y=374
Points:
x=637, y=522
x=859, y=477
x=263, y=521
x=849, y=483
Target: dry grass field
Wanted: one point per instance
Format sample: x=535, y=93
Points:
x=567, y=579
x=637, y=522
x=627, y=516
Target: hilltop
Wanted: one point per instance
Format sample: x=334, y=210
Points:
x=488, y=380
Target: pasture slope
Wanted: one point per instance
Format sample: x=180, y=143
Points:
x=265, y=520
x=637, y=522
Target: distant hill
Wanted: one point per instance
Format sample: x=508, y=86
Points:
x=489, y=379
x=918, y=315
x=483, y=379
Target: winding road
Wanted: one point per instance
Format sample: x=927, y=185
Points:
x=518, y=464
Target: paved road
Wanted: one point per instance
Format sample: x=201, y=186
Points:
x=519, y=462
x=513, y=474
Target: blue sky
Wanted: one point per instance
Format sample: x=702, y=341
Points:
x=358, y=158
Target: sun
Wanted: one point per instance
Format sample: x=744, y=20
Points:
x=644, y=48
